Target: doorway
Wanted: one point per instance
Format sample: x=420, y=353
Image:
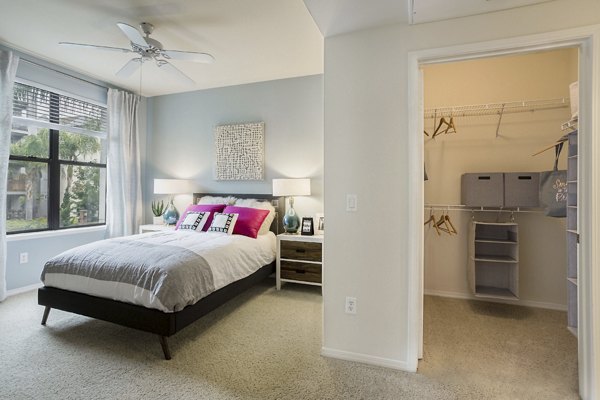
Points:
x=485, y=119
x=586, y=39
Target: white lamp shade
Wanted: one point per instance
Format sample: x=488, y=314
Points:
x=291, y=187
x=173, y=186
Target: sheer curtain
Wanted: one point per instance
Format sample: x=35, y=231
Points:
x=8, y=70
x=124, y=193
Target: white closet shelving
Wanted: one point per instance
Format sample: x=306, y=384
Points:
x=494, y=260
x=496, y=108
x=572, y=235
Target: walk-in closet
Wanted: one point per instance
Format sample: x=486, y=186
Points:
x=500, y=267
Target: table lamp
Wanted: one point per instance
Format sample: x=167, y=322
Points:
x=290, y=188
x=172, y=187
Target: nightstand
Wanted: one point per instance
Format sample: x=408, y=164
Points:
x=300, y=259
x=156, y=228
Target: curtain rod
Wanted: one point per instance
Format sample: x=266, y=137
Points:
x=64, y=73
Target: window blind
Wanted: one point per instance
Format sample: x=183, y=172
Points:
x=36, y=107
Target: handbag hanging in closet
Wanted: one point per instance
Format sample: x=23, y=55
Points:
x=553, y=189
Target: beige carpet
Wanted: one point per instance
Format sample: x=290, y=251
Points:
x=501, y=351
x=262, y=345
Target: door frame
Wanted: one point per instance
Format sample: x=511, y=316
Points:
x=587, y=39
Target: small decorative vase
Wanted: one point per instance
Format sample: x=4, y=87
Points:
x=170, y=215
x=158, y=220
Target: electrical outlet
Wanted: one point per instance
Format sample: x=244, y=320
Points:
x=350, y=305
x=23, y=258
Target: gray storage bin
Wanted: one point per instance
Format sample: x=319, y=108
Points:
x=482, y=189
x=521, y=189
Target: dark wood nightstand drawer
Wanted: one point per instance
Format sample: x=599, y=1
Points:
x=301, y=271
x=305, y=251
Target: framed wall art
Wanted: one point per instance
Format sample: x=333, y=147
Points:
x=240, y=152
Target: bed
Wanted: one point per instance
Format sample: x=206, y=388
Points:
x=154, y=320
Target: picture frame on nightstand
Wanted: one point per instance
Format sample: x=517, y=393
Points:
x=319, y=223
x=307, y=227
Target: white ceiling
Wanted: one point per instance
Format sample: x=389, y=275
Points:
x=437, y=10
x=252, y=40
x=342, y=16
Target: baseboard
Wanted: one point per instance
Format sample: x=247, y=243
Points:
x=366, y=359
x=526, y=303
x=23, y=289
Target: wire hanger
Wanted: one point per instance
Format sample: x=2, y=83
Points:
x=431, y=220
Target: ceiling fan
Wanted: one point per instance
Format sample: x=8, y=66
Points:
x=149, y=49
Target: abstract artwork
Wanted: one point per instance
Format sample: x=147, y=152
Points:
x=240, y=152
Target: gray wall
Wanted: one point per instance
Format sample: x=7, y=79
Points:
x=181, y=139
x=40, y=250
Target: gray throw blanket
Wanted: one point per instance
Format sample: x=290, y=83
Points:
x=171, y=275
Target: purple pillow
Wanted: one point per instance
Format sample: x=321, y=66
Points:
x=212, y=208
x=249, y=220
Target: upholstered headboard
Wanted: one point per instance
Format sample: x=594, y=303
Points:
x=277, y=202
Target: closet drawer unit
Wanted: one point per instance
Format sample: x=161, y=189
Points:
x=299, y=271
x=296, y=250
x=521, y=189
x=482, y=189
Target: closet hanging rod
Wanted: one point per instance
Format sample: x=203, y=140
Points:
x=462, y=207
x=497, y=108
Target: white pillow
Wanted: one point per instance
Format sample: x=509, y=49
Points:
x=261, y=205
x=194, y=221
x=223, y=223
x=229, y=200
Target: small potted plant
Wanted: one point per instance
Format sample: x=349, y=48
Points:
x=158, y=209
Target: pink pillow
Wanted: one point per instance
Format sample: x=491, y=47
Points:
x=212, y=208
x=249, y=220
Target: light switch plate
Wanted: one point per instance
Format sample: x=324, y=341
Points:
x=351, y=203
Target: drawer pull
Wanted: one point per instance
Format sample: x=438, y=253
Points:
x=300, y=250
x=300, y=271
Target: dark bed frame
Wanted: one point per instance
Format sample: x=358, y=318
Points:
x=152, y=320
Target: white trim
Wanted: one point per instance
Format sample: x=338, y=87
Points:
x=54, y=233
x=29, y=288
x=588, y=40
x=469, y=296
x=366, y=359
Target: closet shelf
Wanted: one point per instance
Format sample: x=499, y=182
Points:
x=573, y=281
x=462, y=207
x=496, y=108
x=495, y=293
x=572, y=231
x=503, y=241
x=494, y=258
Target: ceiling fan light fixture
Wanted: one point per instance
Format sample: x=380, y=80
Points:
x=147, y=49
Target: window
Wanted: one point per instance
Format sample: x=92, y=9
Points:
x=57, y=165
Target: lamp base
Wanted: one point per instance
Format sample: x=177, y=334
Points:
x=291, y=222
x=171, y=215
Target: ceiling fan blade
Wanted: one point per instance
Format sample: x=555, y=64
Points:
x=175, y=71
x=129, y=68
x=188, y=56
x=133, y=34
x=93, y=46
